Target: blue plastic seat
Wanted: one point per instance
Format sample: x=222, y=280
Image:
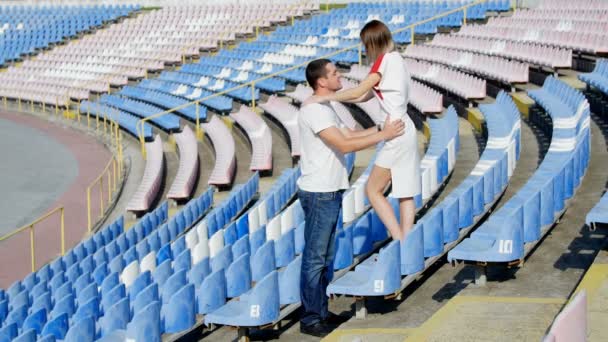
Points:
x=199, y=272
x=89, y=292
x=57, y=327
x=44, y=301
x=88, y=309
x=173, y=284
x=117, y=264
x=260, y=306
x=412, y=251
x=56, y=282
x=179, y=312
x=100, y=273
x=241, y=246
x=164, y=254
x=9, y=332
x=17, y=315
x=183, y=261
x=146, y=296
x=23, y=298
x=113, y=296
x=289, y=282
x=83, y=330
x=162, y=272
x=285, y=250
x=141, y=282
x=257, y=239
x=263, y=261
x=109, y=283
x=116, y=317
x=212, y=292
x=374, y=277
x=146, y=324
x=82, y=282
x=35, y=321
x=26, y=336
x=64, y=305
x=238, y=277
x=222, y=259
x=29, y=281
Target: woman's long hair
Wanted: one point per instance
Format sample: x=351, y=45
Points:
x=377, y=39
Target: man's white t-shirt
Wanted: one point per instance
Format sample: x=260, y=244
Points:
x=323, y=168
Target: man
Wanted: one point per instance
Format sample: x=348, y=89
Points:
x=324, y=178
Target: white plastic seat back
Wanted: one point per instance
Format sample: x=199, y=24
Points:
x=287, y=219
x=148, y=263
x=348, y=206
x=191, y=238
x=200, y=252
x=216, y=243
x=273, y=229
x=130, y=273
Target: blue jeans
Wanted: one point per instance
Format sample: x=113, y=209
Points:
x=321, y=211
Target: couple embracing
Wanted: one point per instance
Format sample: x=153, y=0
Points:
x=324, y=176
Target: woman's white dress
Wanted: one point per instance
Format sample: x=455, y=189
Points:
x=400, y=155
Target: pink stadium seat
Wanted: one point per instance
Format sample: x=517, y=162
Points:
x=225, y=157
x=187, y=172
x=287, y=115
x=570, y=325
x=259, y=135
x=150, y=182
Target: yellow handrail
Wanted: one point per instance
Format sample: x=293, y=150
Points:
x=31, y=225
x=358, y=46
x=110, y=171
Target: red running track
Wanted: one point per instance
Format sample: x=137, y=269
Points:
x=92, y=157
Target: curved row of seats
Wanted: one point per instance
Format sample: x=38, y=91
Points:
x=549, y=56
x=187, y=172
x=27, y=29
x=287, y=115
x=150, y=184
x=168, y=122
x=224, y=169
x=126, y=121
x=598, y=78
x=259, y=136
x=509, y=234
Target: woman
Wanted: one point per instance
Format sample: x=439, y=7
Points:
x=398, y=160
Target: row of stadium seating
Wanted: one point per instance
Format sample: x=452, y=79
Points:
x=544, y=197
x=26, y=29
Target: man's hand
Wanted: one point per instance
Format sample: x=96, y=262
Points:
x=393, y=129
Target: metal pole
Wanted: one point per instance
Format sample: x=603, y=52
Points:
x=109, y=188
x=253, y=96
x=412, y=35
x=62, y=231
x=464, y=21
x=101, y=195
x=32, y=248
x=89, y=208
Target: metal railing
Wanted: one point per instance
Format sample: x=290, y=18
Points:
x=31, y=226
x=358, y=46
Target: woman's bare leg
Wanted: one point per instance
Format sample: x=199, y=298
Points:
x=376, y=183
x=407, y=208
